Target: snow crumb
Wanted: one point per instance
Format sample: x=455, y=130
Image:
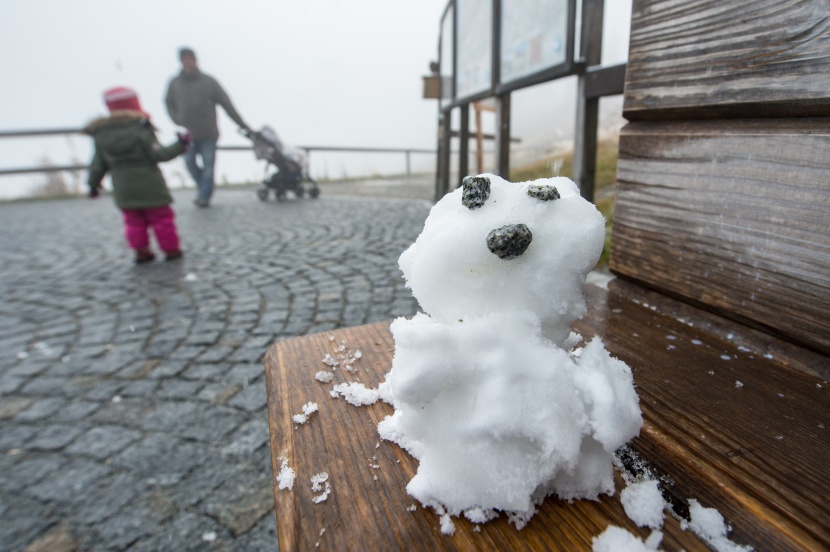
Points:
x=617, y=539
x=357, y=354
x=329, y=360
x=22, y=355
x=324, y=376
x=671, y=337
x=285, y=479
x=331, y=338
x=209, y=536
x=317, y=481
x=116, y=399
x=708, y=524
x=308, y=409
x=697, y=342
x=447, y=525
x=356, y=393
x=725, y=357
x=477, y=528
x=711, y=372
x=644, y=504
x=768, y=356
x=670, y=347
x=739, y=384
x=320, y=482
x=190, y=277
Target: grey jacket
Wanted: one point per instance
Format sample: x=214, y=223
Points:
x=191, y=102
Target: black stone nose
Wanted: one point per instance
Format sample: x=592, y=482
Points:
x=476, y=190
x=508, y=242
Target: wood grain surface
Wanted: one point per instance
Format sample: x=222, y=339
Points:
x=756, y=452
x=364, y=513
x=734, y=215
x=728, y=58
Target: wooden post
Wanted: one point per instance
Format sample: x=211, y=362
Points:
x=444, y=133
x=587, y=109
x=503, y=135
x=479, y=139
x=464, y=144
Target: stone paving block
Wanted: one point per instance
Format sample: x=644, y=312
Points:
x=206, y=372
x=45, y=385
x=54, y=437
x=191, y=532
x=24, y=523
x=137, y=520
x=179, y=389
x=103, y=441
x=59, y=538
x=69, y=482
x=252, y=399
x=104, y=390
x=10, y=384
x=41, y=408
x=78, y=410
x=212, y=424
x=219, y=393
x=128, y=412
x=215, y=354
x=11, y=406
x=107, y=496
x=168, y=368
x=252, y=435
x=241, y=501
x=161, y=459
x=31, y=366
x=29, y=469
x=139, y=388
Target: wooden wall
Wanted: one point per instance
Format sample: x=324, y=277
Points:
x=723, y=194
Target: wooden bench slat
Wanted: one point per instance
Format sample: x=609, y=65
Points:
x=731, y=214
x=709, y=58
x=364, y=514
x=715, y=442
x=758, y=453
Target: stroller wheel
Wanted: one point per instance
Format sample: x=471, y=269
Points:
x=262, y=194
x=280, y=195
x=314, y=192
x=300, y=191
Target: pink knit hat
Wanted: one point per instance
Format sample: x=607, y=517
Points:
x=122, y=97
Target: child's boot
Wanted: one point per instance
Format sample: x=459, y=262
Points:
x=173, y=255
x=143, y=255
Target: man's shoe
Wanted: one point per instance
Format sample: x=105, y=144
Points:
x=173, y=255
x=201, y=203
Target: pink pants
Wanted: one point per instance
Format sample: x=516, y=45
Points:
x=160, y=219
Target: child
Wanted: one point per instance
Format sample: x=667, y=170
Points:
x=126, y=145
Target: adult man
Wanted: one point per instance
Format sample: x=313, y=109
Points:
x=191, y=100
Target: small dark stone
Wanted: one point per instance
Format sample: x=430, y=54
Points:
x=508, y=242
x=476, y=191
x=543, y=193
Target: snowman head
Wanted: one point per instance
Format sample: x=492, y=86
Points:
x=493, y=246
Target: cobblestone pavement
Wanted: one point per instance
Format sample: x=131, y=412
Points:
x=132, y=398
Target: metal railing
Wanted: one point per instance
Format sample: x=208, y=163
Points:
x=307, y=149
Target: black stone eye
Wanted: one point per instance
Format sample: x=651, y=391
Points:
x=476, y=191
x=508, y=242
x=543, y=193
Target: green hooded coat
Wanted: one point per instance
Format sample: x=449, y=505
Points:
x=126, y=146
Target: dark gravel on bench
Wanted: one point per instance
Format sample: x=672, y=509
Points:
x=132, y=398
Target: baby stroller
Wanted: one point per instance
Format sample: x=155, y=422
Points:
x=291, y=174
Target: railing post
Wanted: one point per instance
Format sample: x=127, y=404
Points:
x=408, y=167
x=587, y=109
x=503, y=135
x=464, y=145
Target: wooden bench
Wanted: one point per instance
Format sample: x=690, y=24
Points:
x=721, y=250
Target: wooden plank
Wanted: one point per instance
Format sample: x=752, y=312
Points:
x=364, y=513
x=734, y=215
x=757, y=451
x=728, y=58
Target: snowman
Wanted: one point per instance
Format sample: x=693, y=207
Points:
x=490, y=394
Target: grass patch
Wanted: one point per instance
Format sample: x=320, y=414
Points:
x=606, y=176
